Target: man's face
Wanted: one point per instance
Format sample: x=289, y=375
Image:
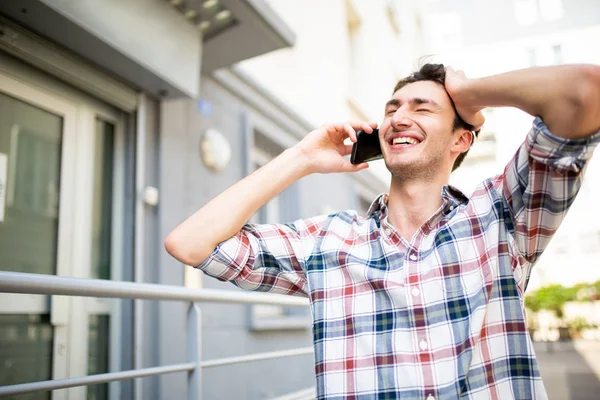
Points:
x=416, y=132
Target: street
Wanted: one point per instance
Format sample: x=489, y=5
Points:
x=571, y=370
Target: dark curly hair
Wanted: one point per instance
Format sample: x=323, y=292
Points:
x=437, y=73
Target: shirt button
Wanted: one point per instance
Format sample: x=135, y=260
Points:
x=423, y=345
x=430, y=397
x=413, y=257
x=415, y=292
x=388, y=231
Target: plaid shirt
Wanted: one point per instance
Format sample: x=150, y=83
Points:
x=439, y=317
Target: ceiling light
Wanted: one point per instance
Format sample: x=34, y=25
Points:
x=176, y=3
x=204, y=26
x=223, y=15
x=210, y=4
x=191, y=14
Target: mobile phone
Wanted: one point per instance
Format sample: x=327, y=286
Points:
x=366, y=148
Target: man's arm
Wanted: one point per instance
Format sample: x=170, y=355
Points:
x=321, y=151
x=540, y=183
x=566, y=97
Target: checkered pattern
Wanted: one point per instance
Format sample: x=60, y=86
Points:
x=439, y=317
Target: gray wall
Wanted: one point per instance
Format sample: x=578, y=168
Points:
x=186, y=185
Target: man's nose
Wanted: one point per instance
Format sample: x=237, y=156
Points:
x=401, y=118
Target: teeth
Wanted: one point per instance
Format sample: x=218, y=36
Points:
x=404, y=140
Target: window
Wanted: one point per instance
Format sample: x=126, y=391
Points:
x=551, y=10
x=545, y=55
x=527, y=12
x=557, y=51
x=531, y=57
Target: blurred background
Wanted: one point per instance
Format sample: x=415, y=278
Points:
x=118, y=119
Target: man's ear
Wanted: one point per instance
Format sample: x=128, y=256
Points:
x=462, y=141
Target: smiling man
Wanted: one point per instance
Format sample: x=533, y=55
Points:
x=423, y=297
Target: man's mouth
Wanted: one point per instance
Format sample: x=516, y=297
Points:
x=404, y=141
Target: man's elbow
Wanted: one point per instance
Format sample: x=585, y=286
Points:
x=588, y=98
x=181, y=251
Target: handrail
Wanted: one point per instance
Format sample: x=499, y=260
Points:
x=257, y=357
x=23, y=388
x=28, y=283
x=22, y=282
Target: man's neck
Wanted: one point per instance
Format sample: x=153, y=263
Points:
x=411, y=204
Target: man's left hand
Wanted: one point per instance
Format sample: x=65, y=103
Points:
x=457, y=85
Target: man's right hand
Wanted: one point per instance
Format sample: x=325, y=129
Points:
x=324, y=148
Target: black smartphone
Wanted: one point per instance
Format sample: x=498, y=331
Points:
x=366, y=148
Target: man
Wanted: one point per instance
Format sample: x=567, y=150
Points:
x=423, y=298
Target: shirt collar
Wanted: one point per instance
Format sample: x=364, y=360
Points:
x=452, y=197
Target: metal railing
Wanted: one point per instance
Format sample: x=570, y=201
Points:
x=17, y=282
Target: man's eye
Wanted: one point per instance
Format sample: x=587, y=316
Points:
x=422, y=110
x=390, y=112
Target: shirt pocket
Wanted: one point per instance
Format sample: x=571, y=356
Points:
x=466, y=279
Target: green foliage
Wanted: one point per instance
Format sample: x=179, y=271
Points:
x=553, y=297
x=579, y=324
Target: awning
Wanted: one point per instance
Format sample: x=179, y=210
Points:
x=160, y=47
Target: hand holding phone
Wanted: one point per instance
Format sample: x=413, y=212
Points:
x=366, y=148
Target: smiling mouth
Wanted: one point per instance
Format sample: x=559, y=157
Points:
x=404, y=141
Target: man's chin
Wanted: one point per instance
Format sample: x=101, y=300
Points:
x=399, y=162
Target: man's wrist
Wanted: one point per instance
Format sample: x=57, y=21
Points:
x=299, y=159
x=466, y=94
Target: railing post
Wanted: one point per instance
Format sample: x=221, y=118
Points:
x=194, y=349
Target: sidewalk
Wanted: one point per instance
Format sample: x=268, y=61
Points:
x=571, y=370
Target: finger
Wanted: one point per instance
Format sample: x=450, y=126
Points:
x=338, y=130
x=365, y=126
x=350, y=131
x=347, y=150
x=478, y=121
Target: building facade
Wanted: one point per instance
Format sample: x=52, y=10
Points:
x=117, y=121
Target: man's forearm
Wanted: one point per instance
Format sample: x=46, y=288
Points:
x=566, y=97
x=195, y=239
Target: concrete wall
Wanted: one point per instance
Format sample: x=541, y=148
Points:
x=186, y=185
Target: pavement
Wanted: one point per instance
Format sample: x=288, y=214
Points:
x=570, y=370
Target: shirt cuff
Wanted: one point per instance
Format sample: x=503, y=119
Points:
x=557, y=152
x=228, y=258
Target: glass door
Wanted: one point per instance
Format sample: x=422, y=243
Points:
x=34, y=175
x=61, y=177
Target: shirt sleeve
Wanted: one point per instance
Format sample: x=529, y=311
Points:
x=540, y=184
x=266, y=257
